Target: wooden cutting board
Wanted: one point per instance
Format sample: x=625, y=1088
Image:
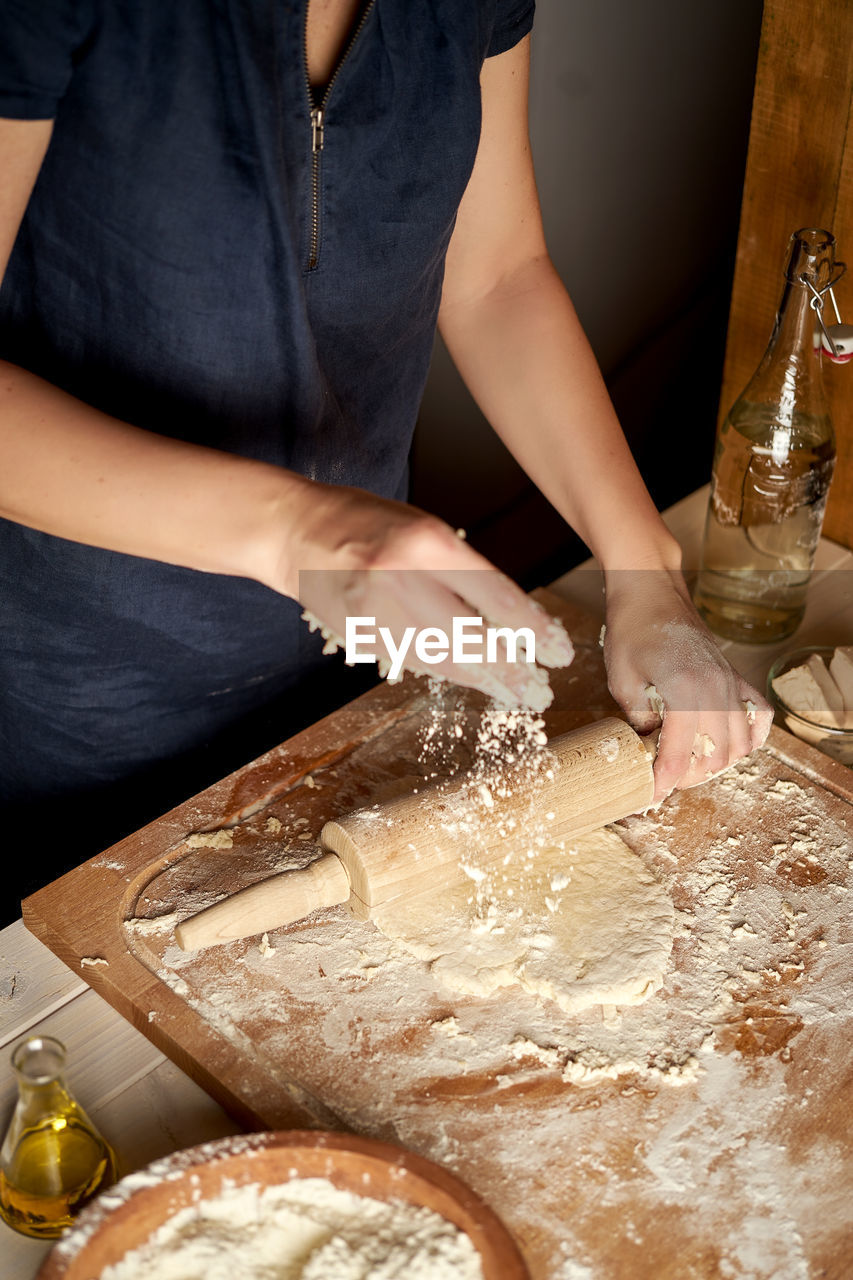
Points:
x=702, y=1133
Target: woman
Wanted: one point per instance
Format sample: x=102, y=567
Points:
x=229, y=231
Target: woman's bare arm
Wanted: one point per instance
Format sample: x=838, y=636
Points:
x=514, y=335
x=72, y=471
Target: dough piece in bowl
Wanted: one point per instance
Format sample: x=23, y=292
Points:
x=582, y=926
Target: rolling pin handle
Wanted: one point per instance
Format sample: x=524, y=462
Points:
x=280, y=900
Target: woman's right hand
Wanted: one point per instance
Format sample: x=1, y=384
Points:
x=351, y=554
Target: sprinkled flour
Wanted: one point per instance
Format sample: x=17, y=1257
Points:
x=700, y=1132
x=306, y=1229
x=554, y=649
x=577, y=921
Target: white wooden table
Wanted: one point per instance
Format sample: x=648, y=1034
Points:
x=144, y=1104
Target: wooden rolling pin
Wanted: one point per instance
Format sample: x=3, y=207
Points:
x=599, y=773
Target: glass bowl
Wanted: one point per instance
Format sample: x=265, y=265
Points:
x=828, y=738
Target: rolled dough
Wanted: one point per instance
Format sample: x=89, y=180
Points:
x=581, y=926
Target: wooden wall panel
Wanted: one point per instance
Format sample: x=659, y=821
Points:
x=799, y=173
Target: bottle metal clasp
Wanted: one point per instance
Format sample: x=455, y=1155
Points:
x=837, y=339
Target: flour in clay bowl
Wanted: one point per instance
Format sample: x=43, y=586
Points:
x=299, y=1206
x=306, y=1229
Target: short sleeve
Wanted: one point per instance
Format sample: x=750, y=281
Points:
x=513, y=20
x=38, y=45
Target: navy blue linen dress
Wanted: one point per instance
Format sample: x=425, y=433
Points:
x=189, y=264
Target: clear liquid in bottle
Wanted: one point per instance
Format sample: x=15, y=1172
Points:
x=763, y=524
x=773, y=464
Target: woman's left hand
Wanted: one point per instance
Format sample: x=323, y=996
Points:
x=665, y=670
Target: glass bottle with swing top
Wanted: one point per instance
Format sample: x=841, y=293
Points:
x=53, y=1159
x=773, y=463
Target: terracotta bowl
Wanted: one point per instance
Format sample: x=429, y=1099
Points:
x=125, y=1216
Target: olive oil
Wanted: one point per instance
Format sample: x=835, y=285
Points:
x=53, y=1160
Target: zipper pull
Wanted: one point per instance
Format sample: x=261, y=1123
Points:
x=316, y=129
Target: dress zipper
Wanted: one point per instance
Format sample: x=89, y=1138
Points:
x=318, y=128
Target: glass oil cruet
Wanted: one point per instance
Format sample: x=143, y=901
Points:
x=773, y=463
x=53, y=1160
